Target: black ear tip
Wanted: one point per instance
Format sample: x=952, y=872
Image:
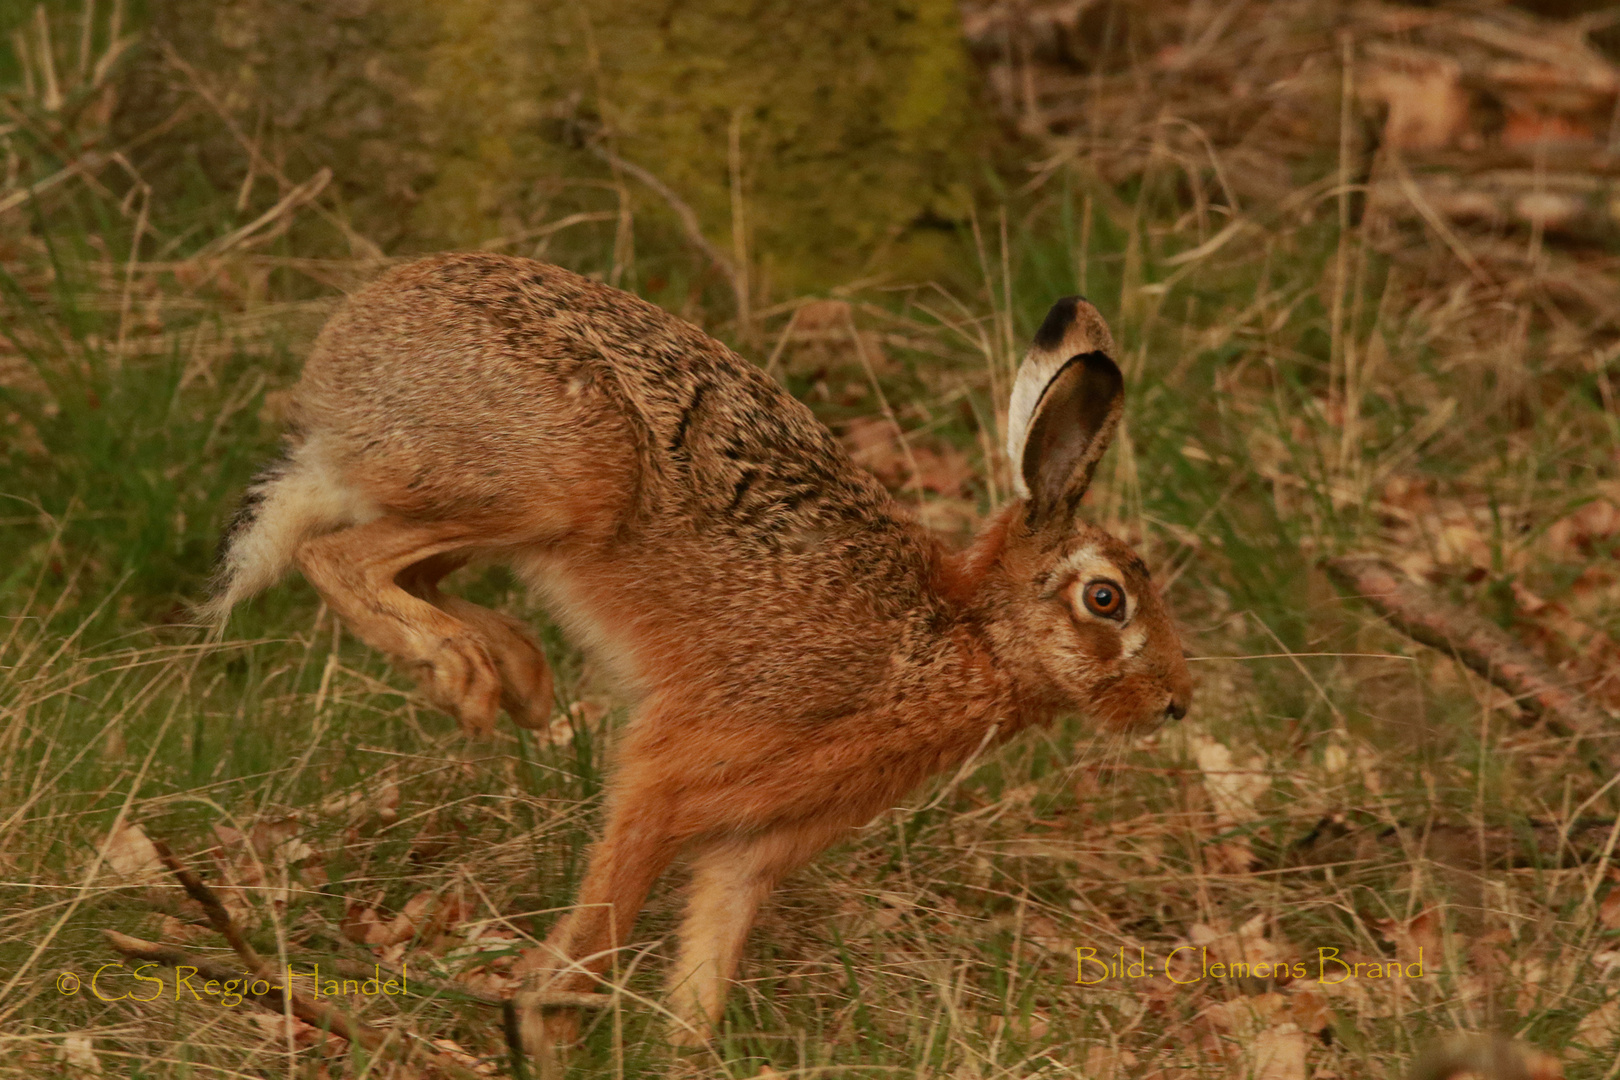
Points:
x=1057, y=322
x=1101, y=366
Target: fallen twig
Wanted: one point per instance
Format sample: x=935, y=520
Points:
x=221, y=919
x=306, y=192
x=347, y=965
x=689, y=223
x=311, y=1012
x=1482, y=646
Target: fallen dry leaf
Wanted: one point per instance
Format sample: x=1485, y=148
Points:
x=1231, y=857
x=1599, y=1028
x=1244, y=1016
x=481, y=980
x=1107, y=1063
x=1309, y=1009
x=1276, y=1053
x=1423, y=93
x=79, y=1054
x=375, y=804
x=362, y=924
x=280, y=841
x=457, y=1053
x=1417, y=938
x=173, y=929
x=1587, y=654
x=1247, y=943
x=875, y=444
x=819, y=338
x=1609, y=910
x=1232, y=788
x=130, y=854
x=1522, y=129
x=279, y=1026
x=1042, y=931
x=942, y=469
x=424, y=918
x=1529, y=978
x=821, y=315
x=1592, y=530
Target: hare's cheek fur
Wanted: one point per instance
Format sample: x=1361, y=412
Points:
x=1123, y=671
x=1101, y=681
x=1111, y=681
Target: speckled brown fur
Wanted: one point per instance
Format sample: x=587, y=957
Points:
x=804, y=653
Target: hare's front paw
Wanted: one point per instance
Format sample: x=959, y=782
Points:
x=544, y=1034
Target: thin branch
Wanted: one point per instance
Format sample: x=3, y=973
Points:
x=1484, y=647
x=883, y=402
x=689, y=224
x=311, y=1012
x=316, y=1013
x=298, y=196
x=221, y=919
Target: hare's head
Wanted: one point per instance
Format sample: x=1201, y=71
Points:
x=1076, y=606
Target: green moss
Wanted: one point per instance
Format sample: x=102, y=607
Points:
x=451, y=122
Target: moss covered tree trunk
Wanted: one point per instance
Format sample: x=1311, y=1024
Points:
x=840, y=135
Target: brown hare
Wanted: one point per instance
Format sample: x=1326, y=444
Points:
x=801, y=651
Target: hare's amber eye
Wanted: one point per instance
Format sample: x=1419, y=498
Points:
x=1104, y=599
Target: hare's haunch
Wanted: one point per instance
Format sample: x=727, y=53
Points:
x=802, y=652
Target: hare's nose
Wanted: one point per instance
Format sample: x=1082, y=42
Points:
x=1176, y=709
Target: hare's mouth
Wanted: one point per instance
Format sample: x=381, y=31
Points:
x=1143, y=721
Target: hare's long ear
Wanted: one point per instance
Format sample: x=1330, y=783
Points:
x=1065, y=407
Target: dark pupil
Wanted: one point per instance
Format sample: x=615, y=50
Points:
x=1103, y=597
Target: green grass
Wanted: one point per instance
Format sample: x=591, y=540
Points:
x=940, y=940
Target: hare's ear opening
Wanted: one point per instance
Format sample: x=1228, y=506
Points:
x=1065, y=407
x=1072, y=427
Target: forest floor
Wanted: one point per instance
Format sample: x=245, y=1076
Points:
x=1406, y=849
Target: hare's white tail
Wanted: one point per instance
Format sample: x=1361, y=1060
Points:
x=292, y=500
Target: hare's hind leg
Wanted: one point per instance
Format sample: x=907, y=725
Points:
x=525, y=675
x=355, y=572
x=731, y=878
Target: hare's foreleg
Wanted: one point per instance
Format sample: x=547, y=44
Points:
x=636, y=847
x=730, y=880
x=525, y=675
x=355, y=572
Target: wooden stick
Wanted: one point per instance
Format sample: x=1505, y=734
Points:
x=225, y=925
x=311, y=1012
x=221, y=919
x=279, y=999
x=1482, y=646
x=316, y=1013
